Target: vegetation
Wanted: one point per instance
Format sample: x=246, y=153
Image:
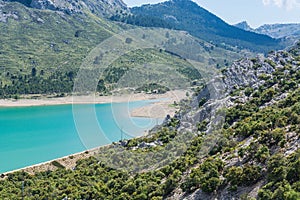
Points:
x=188, y=16
x=256, y=133
x=259, y=136
x=62, y=82
x=42, y=51
x=153, y=88
x=141, y=20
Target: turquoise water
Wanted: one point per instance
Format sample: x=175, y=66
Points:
x=31, y=135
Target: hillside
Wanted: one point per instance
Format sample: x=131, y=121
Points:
x=187, y=15
x=46, y=44
x=42, y=48
x=236, y=138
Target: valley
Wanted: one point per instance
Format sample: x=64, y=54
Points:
x=162, y=101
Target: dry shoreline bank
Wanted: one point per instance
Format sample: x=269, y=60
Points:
x=156, y=110
x=69, y=162
x=89, y=99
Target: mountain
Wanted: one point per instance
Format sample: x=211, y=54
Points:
x=42, y=47
x=39, y=48
x=237, y=137
x=101, y=8
x=243, y=25
x=259, y=152
x=278, y=31
x=187, y=15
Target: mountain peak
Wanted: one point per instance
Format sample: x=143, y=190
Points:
x=178, y=1
x=244, y=25
x=185, y=1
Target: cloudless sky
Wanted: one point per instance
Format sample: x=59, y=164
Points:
x=255, y=12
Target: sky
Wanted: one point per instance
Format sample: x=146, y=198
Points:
x=255, y=12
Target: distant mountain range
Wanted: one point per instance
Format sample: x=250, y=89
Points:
x=274, y=30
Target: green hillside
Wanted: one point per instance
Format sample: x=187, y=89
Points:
x=47, y=42
x=187, y=15
x=42, y=50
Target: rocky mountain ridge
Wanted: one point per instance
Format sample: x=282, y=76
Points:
x=241, y=74
x=103, y=8
x=279, y=31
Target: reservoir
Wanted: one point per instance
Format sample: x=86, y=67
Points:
x=35, y=134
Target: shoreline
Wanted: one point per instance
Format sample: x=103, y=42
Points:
x=158, y=109
x=31, y=100
x=68, y=161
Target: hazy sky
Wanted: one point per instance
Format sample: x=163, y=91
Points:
x=255, y=12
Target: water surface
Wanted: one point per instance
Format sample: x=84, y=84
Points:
x=31, y=135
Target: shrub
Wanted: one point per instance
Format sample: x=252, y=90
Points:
x=57, y=164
